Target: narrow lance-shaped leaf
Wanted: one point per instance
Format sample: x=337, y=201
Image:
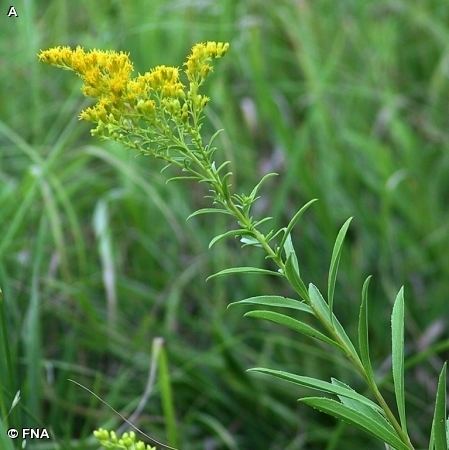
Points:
x=213, y=137
x=348, y=414
x=274, y=300
x=322, y=309
x=363, y=330
x=320, y=385
x=439, y=436
x=291, y=254
x=182, y=178
x=248, y=270
x=447, y=432
x=294, y=220
x=225, y=235
x=259, y=184
x=295, y=279
x=397, y=340
x=250, y=241
x=208, y=211
x=375, y=412
x=293, y=324
x=335, y=261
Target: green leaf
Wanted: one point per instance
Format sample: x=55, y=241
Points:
x=447, y=432
x=319, y=385
x=274, y=300
x=439, y=438
x=213, y=137
x=259, y=184
x=397, y=340
x=272, y=235
x=182, y=178
x=291, y=323
x=291, y=254
x=258, y=223
x=250, y=241
x=249, y=270
x=322, y=308
x=363, y=330
x=295, y=279
x=294, y=220
x=354, y=417
x=374, y=411
x=335, y=261
x=208, y=211
x=222, y=166
x=225, y=235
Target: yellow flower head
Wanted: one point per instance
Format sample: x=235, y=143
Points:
x=103, y=72
x=198, y=62
x=165, y=80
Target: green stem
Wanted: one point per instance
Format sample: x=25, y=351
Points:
x=368, y=379
x=245, y=221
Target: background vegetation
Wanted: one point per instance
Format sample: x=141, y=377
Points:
x=347, y=100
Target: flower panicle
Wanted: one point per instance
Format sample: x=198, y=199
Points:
x=82, y=61
x=157, y=101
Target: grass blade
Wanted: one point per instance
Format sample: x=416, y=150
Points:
x=6, y=366
x=168, y=406
x=5, y=441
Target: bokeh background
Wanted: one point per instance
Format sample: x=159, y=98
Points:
x=347, y=101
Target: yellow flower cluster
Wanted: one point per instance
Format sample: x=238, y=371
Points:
x=109, y=439
x=123, y=101
x=198, y=62
x=103, y=72
x=166, y=81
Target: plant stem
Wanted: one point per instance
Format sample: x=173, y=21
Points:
x=246, y=222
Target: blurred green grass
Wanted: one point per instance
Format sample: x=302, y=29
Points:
x=347, y=101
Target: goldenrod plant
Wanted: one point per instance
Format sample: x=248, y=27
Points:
x=160, y=113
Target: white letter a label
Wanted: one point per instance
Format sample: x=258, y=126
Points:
x=12, y=12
